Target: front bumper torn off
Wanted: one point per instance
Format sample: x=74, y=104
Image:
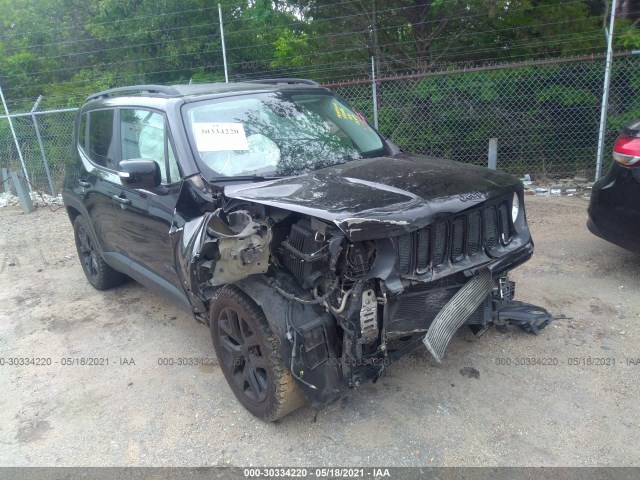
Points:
x=458, y=309
x=456, y=312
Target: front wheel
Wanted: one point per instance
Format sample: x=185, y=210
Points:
x=249, y=356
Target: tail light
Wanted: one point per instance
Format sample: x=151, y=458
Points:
x=626, y=151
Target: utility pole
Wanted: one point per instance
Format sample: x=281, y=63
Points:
x=224, y=50
x=15, y=137
x=376, y=45
x=374, y=92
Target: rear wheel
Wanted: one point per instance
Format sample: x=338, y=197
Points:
x=100, y=275
x=249, y=356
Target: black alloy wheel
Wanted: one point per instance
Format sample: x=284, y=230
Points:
x=243, y=355
x=249, y=356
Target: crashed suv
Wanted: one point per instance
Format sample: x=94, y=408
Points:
x=315, y=250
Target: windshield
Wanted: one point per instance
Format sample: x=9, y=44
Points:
x=277, y=134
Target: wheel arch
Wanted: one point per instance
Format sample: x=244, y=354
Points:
x=72, y=213
x=74, y=208
x=321, y=382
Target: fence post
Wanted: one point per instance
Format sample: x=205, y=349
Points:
x=24, y=194
x=493, y=153
x=374, y=92
x=44, y=155
x=605, y=92
x=15, y=138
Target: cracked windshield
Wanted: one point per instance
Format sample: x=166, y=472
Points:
x=278, y=134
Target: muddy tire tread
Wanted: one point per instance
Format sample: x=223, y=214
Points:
x=288, y=396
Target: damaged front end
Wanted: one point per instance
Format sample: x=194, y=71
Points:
x=344, y=305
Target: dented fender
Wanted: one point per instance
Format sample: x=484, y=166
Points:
x=213, y=248
x=186, y=241
x=186, y=236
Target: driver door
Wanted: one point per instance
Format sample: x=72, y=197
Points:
x=145, y=217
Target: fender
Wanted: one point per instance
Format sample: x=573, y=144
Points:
x=186, y=235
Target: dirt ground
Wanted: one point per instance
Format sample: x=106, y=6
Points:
x=483, y=406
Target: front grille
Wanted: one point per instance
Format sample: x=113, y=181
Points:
x=457, y=239
x=474, y=241
x=491, y=228
x=404, y=252
x=440, y=243
x=453, y=239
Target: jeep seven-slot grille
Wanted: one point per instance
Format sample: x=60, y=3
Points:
x=455, y=238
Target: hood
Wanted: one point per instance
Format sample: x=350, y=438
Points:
x=378, y=197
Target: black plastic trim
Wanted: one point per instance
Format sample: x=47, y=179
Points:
x=148, y=279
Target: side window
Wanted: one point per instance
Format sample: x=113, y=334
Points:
x=82, y=132
x=143, y=135
x=101, y=141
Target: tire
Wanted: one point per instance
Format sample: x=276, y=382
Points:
x=100, y=275
x=249, y=356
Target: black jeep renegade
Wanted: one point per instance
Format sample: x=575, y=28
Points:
x=315, y=250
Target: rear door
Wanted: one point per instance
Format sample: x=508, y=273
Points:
x=98, y=181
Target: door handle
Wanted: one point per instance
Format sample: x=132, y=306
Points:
x=84, y=184
x=123, y=201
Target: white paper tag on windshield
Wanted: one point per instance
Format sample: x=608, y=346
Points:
x=217, y=137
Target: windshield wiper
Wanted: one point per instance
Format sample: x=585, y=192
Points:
x=245, y=178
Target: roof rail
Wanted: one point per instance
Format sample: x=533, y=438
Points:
x=275, y=81
x=159, y=89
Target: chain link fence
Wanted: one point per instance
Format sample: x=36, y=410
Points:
x=545, y=117
x=55, y=129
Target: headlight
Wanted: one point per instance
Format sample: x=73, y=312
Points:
x=515, y=207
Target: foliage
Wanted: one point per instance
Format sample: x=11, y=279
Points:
x=65, y=49
x=545, y=117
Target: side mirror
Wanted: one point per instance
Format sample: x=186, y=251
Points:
x=139, y=173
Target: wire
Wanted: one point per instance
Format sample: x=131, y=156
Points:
x=332, y=78
x=140, y=17
x=294, y=348
x=452, y=54
x=290, y=296
x=323, y=68
x=256, y=32
x=210, y=24
x=455, y=53
x=273, y=59
x=315, y=54
x=350, y=68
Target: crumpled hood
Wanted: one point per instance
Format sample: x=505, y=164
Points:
x=385, y=196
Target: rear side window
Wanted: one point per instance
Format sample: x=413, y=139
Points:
x=82, y=133
x=101, y=148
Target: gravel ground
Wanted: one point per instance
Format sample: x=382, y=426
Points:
x=469, y=410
